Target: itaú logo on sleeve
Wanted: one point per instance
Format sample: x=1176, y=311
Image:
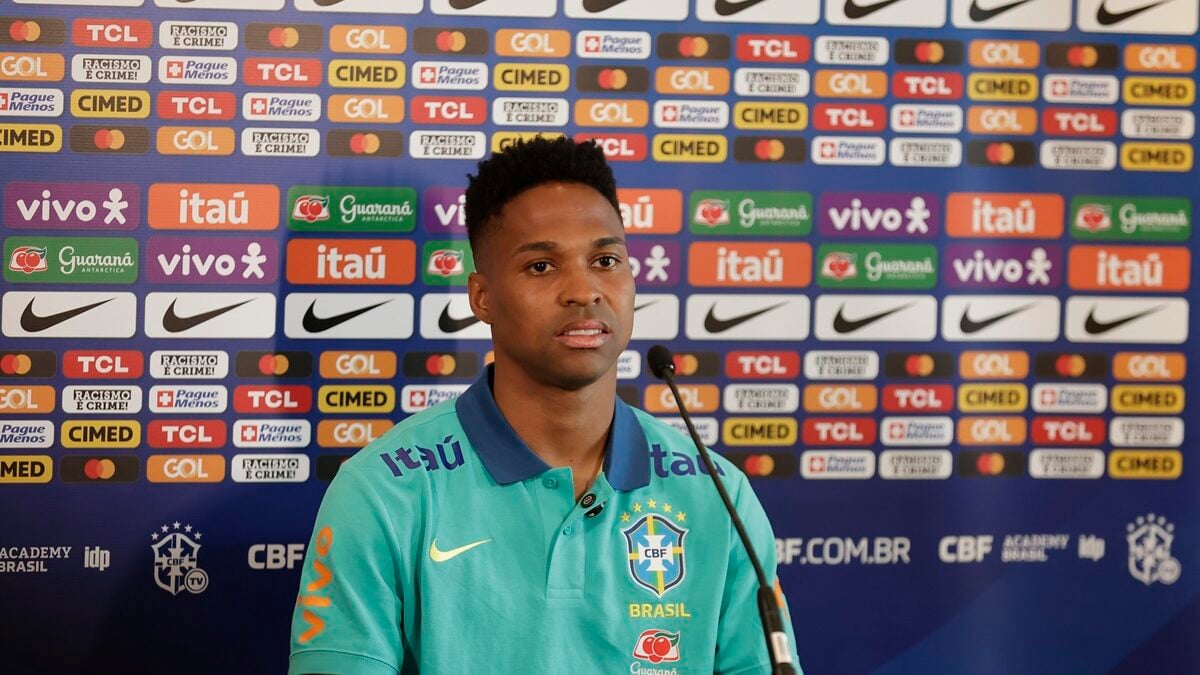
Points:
x=207, y=434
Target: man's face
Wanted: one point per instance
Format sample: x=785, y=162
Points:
x=555, y=285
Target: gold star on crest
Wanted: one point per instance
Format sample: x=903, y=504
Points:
x=681, y=516
x=637, y=507
x=624, y=517
x=651, y=503
x=667, y=508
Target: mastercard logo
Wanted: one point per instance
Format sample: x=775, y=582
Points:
x=451, y=41
x=109, y=139
x=763, y=465
x=24, y=31
x=16, y=364
x=441, y=364
x=919, y=365
x=1000, y=153
x=759, y=465
x=989, y=464
x=693, y=47
x=283, y=38
x=686, y=364
x=612, y=78
x=273, y=364
x=929, y=52
x=769, y=149
x=709, y=46
x=100, y=469
x=365, y=143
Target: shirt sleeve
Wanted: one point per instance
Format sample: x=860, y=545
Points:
x=741, y=646
x=348, y=612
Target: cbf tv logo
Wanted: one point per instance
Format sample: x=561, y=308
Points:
x=175, y=558
x=655, y=548
x=1150, y=538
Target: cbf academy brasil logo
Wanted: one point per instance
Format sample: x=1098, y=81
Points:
x=655, y=547
x=1150, y=538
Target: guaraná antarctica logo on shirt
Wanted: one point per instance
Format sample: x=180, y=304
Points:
x=655, y=546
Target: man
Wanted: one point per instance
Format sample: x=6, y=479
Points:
x=537, y=524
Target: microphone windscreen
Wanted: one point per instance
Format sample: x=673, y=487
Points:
x=659, y=359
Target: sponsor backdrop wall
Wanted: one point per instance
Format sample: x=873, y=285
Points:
x=925, y=265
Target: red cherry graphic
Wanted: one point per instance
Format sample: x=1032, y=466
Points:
x=711, y=213
x=662, y=647
x=839, y=266
x=647, y=648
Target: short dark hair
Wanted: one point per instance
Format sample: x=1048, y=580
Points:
x=527, y=164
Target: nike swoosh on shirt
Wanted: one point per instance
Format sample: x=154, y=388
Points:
x=319, y=324
x=449, y=324
x=595, y=6
x=1107, y=18
x=439, y=556
x=714, y=325
x=979, y=14
x=843, y=325
x=968, y=325
x=173, y=323
x=727, y=8
x=1094, y=327
x=856, y=11
x=32, y=323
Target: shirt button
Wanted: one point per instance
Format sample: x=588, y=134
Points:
x=550, y=482
x=588, y=500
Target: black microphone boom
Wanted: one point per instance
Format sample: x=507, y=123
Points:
x=662, y=365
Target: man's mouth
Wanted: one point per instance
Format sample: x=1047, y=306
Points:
x=584, y=334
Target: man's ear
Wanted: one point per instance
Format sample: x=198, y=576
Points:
x=477, y=292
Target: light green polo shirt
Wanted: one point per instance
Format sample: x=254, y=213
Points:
x=448, y=546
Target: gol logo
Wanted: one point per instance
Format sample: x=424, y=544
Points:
x=988, y=365
x=350, y=39
x=195, y=141
x=358, y=365
x=533, y=43
x=358, y=109
x=31, y=67
x=1150, y=366
x=1150, y=58
x=1020, y=121
x=185, y=468
x=352, y=433
x=697, y=398
x=1005, y=54
x=851, y=84
x=590, y=112
x=35, y=399
x=991, y=430
x=697, y=81
x=840, y=398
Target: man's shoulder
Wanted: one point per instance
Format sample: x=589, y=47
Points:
x=428, y=441
x=675, y=445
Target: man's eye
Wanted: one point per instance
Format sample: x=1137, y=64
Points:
x=608, y=261
x=540, y=267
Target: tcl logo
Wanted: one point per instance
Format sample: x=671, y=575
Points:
x=275, y=556
x=762, y=365
x=619, y=147
x=263, y=398
x=1087, y=431
x=449, y=109
x=773, y=48
x=1086, y=122
x=103, y=365
x=848, y=431
x=186, y=434
x=942, y=87
x=833, y=117
x=120, y=33
x=922, y=398
x=282, y=72
x=194, y=105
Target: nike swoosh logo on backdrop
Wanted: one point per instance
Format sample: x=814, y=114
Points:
x=1107, y=18
x=465, y=4
x=856, y=11
x=595, y=6
x=319, y=324
x=843, y=325
x=968, y=325
x=173, y=323
x=449, y=324
x=1094, y=327
x=714, y=325
x=641, y=307
x=321, y=3
x=979, y=14
x=727, y=8
x=440, y=556
x=32, y=323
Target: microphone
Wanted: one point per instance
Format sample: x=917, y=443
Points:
x=662, y=365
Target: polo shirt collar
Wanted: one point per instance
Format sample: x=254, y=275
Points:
x=509, y=460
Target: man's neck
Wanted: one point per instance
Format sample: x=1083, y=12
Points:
x=563, y=428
